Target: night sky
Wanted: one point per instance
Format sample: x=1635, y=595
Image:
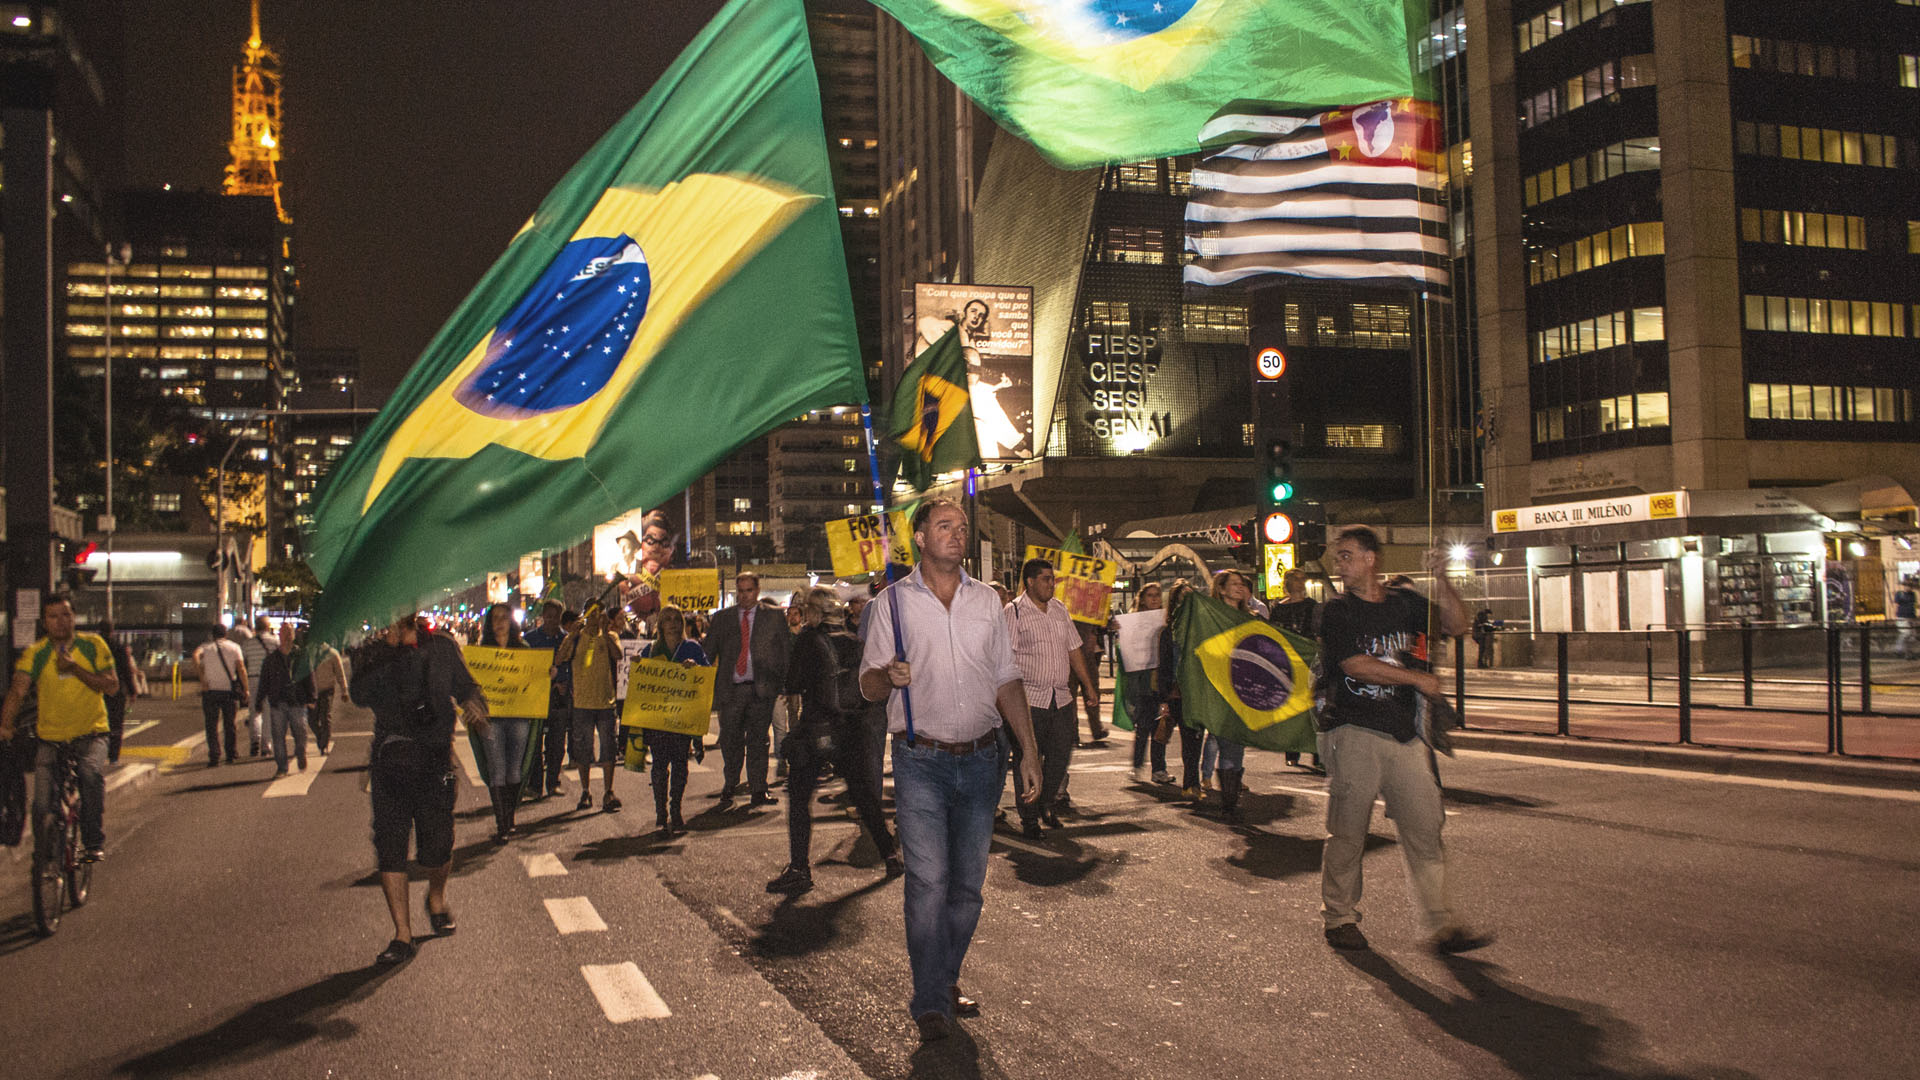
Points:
x=420, y=134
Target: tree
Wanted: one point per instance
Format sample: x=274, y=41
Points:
x=284, y=580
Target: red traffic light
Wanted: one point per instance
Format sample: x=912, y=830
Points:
x=1277, y=528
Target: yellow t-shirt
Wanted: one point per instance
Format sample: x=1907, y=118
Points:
x=69, y=708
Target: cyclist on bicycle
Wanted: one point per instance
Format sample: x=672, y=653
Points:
x=73, y=673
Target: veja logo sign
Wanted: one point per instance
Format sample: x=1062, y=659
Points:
x=1506, y=521
x=1667, y=505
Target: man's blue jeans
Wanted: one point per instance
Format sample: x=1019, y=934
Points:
x=943, y=810
x=91, y=753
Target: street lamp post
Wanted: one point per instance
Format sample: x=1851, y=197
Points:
x=107, y=523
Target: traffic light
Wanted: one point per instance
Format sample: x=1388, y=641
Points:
x=74, y=570
x=1277, y=487
x=1246, y=545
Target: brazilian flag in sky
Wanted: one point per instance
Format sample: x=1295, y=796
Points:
x=1095, y=81
x=681, y=292
x=931, y=422
x=1243, y=678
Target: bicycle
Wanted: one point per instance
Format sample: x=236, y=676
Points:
x=62, y=876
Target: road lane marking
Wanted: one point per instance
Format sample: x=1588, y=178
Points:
x=1092, y=768
x=1000, y=838
x=624, y=994
x=192, y=741
x=137, y=728
x=545, y=864
x=1717, y=778
x=575, y=915
x=296, y=783
x=463, y=749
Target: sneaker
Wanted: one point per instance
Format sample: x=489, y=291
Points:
x=793, y=881
x=1051, y=820
x=1163, y=777
x=762, y=799
x=1194, y=793
x=278, y=773
x=1031, y=830
x=93, y=854
x=1142, y=775
x=610, y=804
x=1459, y=940
x=1346, y=936
x=933, y=1026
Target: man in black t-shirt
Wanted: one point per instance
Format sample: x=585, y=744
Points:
x=1374, y=738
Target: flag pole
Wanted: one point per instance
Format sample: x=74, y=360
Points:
x=886, y=540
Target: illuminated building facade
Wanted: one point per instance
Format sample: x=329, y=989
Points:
x=254, y=168
x=326, y=379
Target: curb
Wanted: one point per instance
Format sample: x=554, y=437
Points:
x=1765, y=765
x=127, y=774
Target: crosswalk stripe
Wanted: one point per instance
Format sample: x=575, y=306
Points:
x=545, y=864
x=575, y=915
x=296, y=783
x=623, y=992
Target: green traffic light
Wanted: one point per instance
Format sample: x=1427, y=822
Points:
x=1282, y=491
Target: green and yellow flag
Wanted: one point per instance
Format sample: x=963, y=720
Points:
x=931, y=422
x=681, y=292
x=1089, y=82
x=1243, y=678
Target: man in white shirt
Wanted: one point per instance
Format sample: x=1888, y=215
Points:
x=1046, y=648
x=255, y=649
x=937, y=651
x=222, y=672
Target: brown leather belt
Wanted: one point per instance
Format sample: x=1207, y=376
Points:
x=981, y=743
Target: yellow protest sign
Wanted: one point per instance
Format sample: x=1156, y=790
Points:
x=691, y=590
x=858, y=544
x=515, y=681
x=665, y=696
x=1083, y=583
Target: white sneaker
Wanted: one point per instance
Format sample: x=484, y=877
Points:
x=1142, y=775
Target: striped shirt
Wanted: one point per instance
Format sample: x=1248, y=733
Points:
x=959, y=656
x=1043, y=642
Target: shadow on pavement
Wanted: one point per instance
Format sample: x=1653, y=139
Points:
x=1469, y=797
x=1537, y=1036
x=1279, y=856
x=798, y=929
x=18, y=932
x=957, y=1057
x=264, y=1028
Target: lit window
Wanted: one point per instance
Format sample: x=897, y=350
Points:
x=166, y=502
x=744, y=506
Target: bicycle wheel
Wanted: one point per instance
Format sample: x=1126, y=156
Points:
x=49, y=892
x=79, y=871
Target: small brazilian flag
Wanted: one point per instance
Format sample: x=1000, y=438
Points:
x=681, y=292
x=1094, y=81
x=931, y=422
x=1243, y=678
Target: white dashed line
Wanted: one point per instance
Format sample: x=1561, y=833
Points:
x=1000, y=838
x=1093, y=768
x=296, y=783
x=624, y=994
x=575, y=915
x=545, y=864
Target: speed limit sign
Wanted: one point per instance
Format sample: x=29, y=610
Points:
x=1270, y=363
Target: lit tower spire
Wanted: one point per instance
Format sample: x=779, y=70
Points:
x=255, y=148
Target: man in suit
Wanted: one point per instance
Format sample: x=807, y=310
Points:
x=749, y=645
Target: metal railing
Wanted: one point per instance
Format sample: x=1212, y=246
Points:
x=1843, y=689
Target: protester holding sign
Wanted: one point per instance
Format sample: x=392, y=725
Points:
x=507, y=734
x=595, y=655
x=670, y=748
x=1134, y=637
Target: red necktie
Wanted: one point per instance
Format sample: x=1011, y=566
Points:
x=746, y=646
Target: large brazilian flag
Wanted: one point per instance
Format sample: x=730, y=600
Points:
x=931, y=422
x=1243, y=678
x=681, y=292
x=1095, y=81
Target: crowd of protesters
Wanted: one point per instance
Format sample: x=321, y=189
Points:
x=969, y=679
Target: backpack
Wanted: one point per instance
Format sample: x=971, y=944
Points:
x=847, y=651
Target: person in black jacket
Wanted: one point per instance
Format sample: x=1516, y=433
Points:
x=411, y=678
x=117, y=701
x=825, y=725
x=285, y=699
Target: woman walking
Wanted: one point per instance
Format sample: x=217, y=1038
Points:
x=506, y=735
x=1233, y=590
x=825, y=720
x=670, y=748
x=1144, y=706
x=1167, y=685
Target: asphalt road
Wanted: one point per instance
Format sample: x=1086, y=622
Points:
x=1650, y=925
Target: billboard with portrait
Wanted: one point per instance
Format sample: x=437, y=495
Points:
x=996, y=333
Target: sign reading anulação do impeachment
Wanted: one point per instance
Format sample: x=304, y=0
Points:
x=666, y=696
x=1084, y=583
x=515, y=681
